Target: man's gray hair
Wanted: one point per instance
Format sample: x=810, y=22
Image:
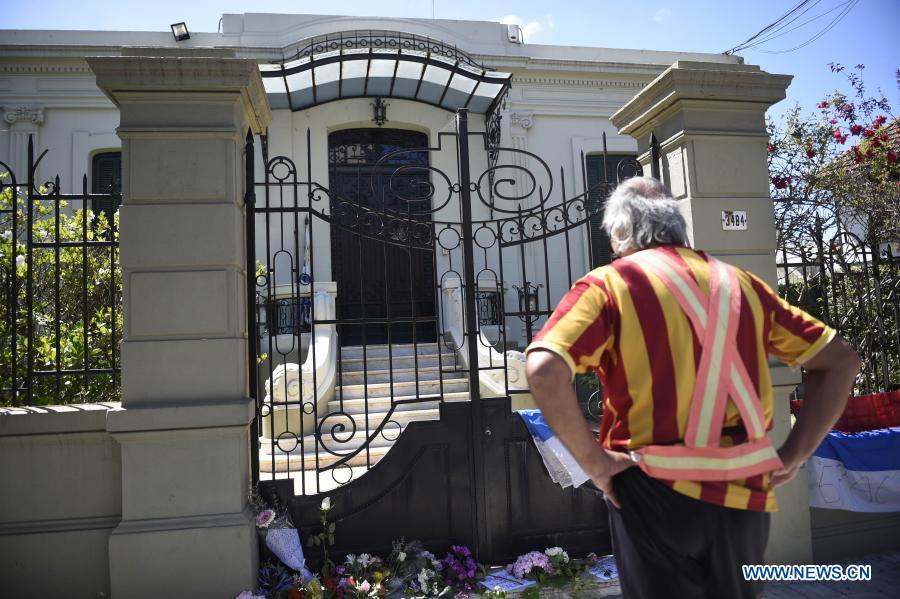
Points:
x=641, y=213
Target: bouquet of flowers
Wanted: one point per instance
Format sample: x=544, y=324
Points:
x=282, y=539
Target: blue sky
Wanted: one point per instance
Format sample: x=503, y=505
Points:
x=867, y=35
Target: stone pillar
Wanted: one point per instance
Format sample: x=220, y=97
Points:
x=709, y=119
x=183, y=427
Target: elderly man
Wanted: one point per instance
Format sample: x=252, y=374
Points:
x=680, y=342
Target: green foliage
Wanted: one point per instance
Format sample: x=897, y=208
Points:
x=77, y=328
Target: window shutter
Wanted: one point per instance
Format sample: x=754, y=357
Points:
x=600, y=249
x=106, y=178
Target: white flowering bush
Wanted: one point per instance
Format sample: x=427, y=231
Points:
x=82, y=325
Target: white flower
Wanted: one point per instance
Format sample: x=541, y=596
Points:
x=326, y=504
x=424, y=576
x=20, y=261
x=554, y=551
x=7, y=235
x=364, y=559
x=401, y=557
x=351, y=558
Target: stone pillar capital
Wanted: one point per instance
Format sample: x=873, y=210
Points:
x=145, y=79
x=699, y=85
x=30, y=113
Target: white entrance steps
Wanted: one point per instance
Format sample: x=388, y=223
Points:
x=371, y=379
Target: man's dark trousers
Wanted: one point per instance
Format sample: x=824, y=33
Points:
x=669, y=545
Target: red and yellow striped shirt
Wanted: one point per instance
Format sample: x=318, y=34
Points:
x=625, y=325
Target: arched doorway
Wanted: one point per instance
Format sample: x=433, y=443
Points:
x=384, y=271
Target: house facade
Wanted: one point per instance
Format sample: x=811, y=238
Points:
x=414, y=197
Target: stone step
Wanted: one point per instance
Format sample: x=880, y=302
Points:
x=447, y=360
x=383, y=404
x=396, y=349
x=402, y=389
x=398, y=375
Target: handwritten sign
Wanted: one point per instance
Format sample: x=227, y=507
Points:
x=734, y=220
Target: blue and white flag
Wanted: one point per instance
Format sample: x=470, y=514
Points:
x=858, y=472
x=559, y=461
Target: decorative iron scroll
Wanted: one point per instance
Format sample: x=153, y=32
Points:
x=390, y=40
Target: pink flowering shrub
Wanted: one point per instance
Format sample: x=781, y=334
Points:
x=836, y=164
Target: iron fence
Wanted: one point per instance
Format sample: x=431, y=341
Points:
x=61, y=292
x=854, y=287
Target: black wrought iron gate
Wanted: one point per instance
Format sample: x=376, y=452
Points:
x=411, y=437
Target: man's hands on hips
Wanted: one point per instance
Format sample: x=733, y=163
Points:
x=550, y=380
x=608, y=464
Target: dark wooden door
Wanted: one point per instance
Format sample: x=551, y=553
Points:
x=381, y=253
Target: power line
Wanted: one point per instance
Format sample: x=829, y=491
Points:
x=775, y=35
x=782, y=26
x=767, y=28
x=827, y=28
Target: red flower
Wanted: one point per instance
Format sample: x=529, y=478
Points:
x=771, y=148
x=879, y=121
x=823, y=104
x=810, y=153
x=870, y=152
x=295, y=593
x=876, y=143
x=883, y=137
x=856, y=129
x=351, y=582
x=869, y=132
x=892, y=156
x=833, y=121
x=780, y=182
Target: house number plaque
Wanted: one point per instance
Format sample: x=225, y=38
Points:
x=734, y=220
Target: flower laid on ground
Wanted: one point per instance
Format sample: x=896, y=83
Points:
x=534, y=565
x=461, y=571
x=412, y=571
x=274, y=578
x=281, y=538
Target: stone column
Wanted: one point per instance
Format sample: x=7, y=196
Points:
x=183, y=427
x=709, y=119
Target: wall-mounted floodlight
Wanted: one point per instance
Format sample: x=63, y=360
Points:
x=180, y=31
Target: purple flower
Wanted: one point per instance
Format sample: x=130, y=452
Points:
x=527, y=564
